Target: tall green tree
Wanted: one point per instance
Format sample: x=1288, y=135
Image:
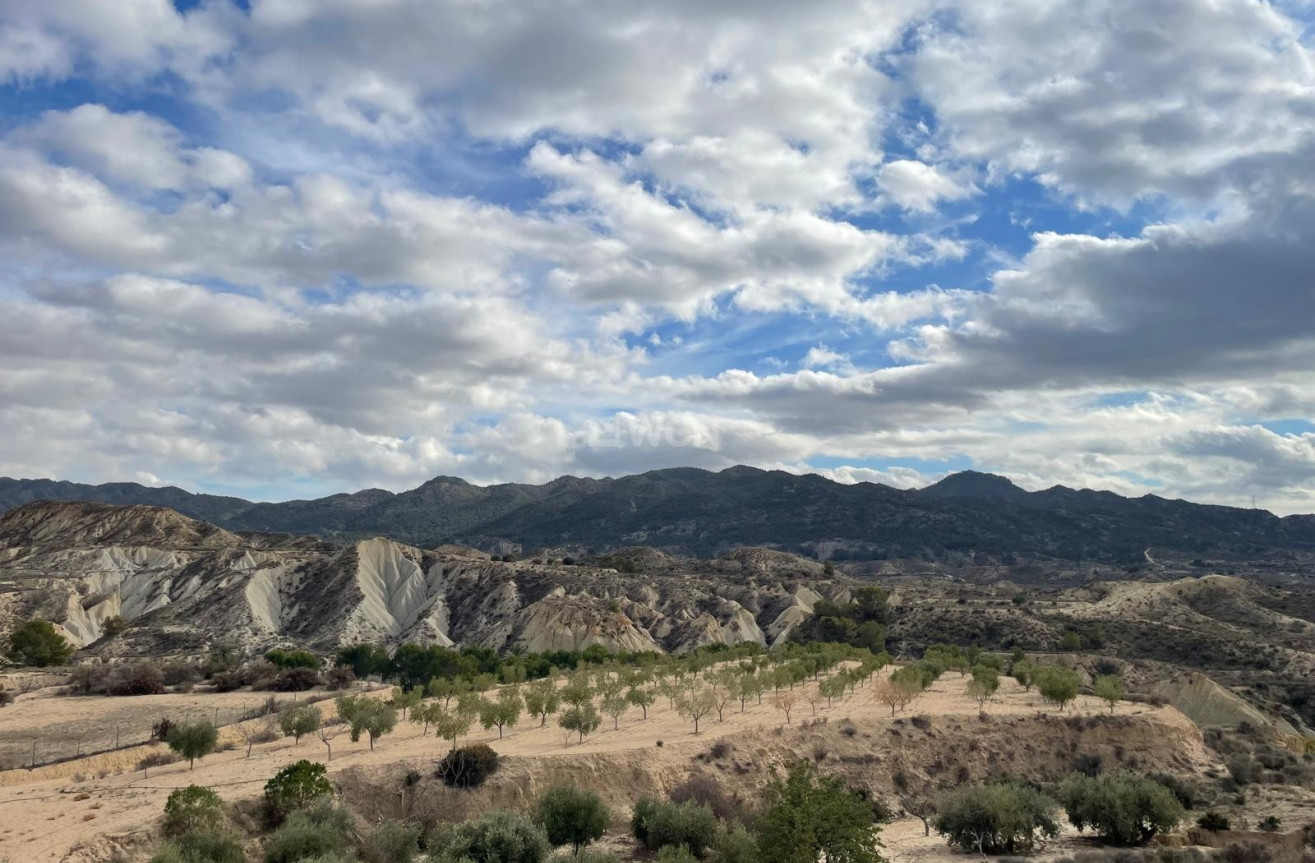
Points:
x=38, y=643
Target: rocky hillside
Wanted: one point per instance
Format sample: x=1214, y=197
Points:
x=184, y=584
x=691, y=512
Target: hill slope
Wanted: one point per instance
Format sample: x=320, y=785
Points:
x=696, y=512
x=184, y=585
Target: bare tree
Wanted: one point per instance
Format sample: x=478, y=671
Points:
x=328, y=731
x=785, y=702
x=696, y=704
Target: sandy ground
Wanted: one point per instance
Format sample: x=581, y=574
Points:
x=63, y=726
x=47, y=812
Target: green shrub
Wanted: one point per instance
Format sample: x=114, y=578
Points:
x=1214, y=821
x=734, y=844
x=499, y=837
x=201, y=847
x=1121, y=807
x=644, y=808
x=468, y=766
x=995, y=819
x=391, y=842
x=586, y=855
x=317, y=831
x=571, y=815
x=676, y=854
x=297, y=786
x=192, y=808
x=689, y=824
x=293, y=658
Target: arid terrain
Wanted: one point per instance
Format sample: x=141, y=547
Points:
x=1216, y=665
x=48, y=818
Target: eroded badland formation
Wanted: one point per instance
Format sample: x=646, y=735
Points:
x=1203, y=617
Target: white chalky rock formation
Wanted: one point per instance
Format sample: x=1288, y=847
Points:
x=184, y=586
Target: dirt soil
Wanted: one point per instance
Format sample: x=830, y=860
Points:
x=87, y=809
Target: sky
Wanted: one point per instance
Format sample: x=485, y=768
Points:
x=285, y=248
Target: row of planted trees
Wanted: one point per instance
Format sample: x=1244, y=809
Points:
x=699, y=687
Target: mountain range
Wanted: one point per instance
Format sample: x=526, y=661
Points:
x=702, y=513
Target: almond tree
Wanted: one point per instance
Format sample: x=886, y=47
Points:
x=614, y=704
x=834, y=687
x=813, y=694
x=327, y=733
x=696, y=704
x=722, y=687
x=785, y=702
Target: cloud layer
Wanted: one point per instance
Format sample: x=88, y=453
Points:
x=298, y=247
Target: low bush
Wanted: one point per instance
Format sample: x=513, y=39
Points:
x=201, y=847
x=735, y=844
x=315, y=832
x=156, y=759
x=468, y=766
x=707, y=791
x=570, y=815
x=1187, y=793
x=139, y=678
x=190, y=809
x=689, y=824
x=391, y=842
x=339, y=677
x=676, y=854
x=1246, y=852
x=295, y=787
x=292, y=680
x=586, y=855
x=499, y=837
x=1214, y=821
x=178, y=672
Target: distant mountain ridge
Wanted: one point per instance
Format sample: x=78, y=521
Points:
x=702, y=513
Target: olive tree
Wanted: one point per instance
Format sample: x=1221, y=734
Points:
x=1121, y=807
x=1000, y=818
x=296, y=721
x=571, y=815
x=193, y=740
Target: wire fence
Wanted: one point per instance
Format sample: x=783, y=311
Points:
x=62, y=741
